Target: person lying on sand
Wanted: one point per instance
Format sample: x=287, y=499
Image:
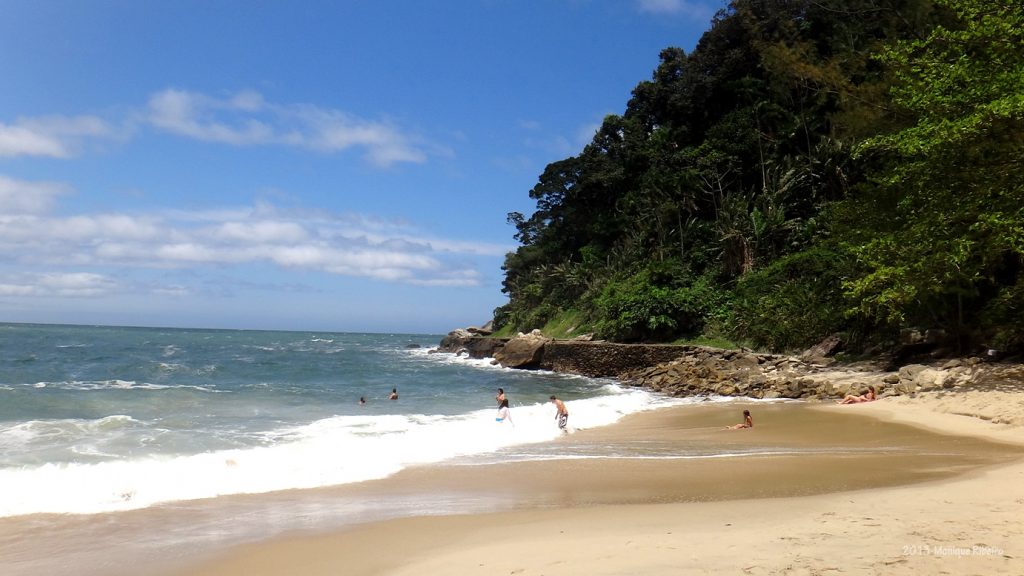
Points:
x=851, y=399
x=748, y=422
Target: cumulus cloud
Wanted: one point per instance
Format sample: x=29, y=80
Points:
x=339, y=244
x=247, y=119
x=52, y=136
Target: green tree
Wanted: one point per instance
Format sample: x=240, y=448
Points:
x=954, y=177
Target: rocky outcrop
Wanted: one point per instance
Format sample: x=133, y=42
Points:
x=688, y=370
x=463, y=341
x=822, y=352
x=920, y=378
x=728, y=373
x=732, y=373
x=485, y=330
x=606, y=359
x=523, y=351
x=455, y=340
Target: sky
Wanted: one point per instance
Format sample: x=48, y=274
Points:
x=295, y=165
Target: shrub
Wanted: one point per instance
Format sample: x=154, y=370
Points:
x=792, y=303
x=657, y=303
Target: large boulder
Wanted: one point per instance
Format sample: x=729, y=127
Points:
x=920, y=378
x=823, y=350
x=484, y=346
x=523, y=351
x=455, y=341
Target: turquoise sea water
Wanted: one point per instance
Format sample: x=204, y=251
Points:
x=97, y=419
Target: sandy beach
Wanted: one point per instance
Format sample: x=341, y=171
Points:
x=944, y=504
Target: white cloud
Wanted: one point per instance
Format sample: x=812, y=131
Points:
x=193, y=115
x=24, y=197
x=53, y=136
x=246, y=119
x=318, y=241
x=261, y=231
x=243, y=119
x=68, y=284
x=675, y=7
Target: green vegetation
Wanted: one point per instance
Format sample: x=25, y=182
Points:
x=812, y=167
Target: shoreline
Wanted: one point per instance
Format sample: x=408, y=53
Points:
x=956, y=520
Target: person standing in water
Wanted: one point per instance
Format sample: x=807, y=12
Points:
x=503, y=413
x=561, y=413
x=394, y=394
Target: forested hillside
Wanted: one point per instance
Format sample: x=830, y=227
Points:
x=811, y=167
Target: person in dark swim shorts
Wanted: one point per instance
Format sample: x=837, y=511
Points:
x=561, y=414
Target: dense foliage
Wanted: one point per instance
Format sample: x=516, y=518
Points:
x=813, y=166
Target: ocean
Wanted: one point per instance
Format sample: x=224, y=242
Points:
x=97, y=419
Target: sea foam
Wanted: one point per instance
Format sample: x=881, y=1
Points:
x=329, y=451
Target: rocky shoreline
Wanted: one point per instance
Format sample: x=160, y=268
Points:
x=690, y=370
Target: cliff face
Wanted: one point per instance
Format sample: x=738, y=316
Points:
x=687, y=370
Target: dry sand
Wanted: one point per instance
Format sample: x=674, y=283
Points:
x=775, y=514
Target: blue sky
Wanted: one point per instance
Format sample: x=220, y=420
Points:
x=303, y=165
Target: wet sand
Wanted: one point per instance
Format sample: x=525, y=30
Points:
x=832, y=485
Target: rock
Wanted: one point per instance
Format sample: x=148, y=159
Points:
x=455, y=340
x=689, y=370
x=903, y=387
x=523, y=351
x=910, y=336
x=412, y=346
x=842, y=388
x=484, y=346
x=824, y=349
x=929, y=379
x=914, y=343
x=910, y=371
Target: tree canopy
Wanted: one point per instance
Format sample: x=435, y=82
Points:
x=813, y=166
